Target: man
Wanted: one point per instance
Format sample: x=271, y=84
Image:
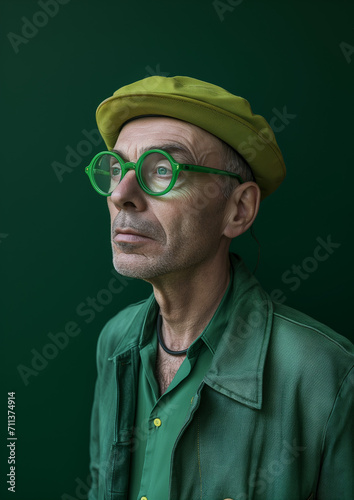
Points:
x=208, y=389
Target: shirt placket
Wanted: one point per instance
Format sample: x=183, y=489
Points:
x=157, y=423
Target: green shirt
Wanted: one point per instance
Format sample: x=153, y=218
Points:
x=159, y=420
x=272, y=418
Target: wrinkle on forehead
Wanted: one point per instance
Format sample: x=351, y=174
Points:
x=176, y=150
x=143, y=133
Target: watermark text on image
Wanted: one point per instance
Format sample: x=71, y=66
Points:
x=223, y=7
x=297, y=273
x=3, y=236
x=48, y=9
x=11, y=444
x=87, y=309
x=74, y=156
x=347, y=51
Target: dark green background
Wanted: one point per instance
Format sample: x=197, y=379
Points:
x=54, y=244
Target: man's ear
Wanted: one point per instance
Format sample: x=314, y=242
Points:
x=242, y=208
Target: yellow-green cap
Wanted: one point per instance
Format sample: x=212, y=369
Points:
x=208, y=106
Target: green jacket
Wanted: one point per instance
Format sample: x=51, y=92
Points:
x=272, y=419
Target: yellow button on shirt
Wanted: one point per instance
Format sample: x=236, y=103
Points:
x=157, y=422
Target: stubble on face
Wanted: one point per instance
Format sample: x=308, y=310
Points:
x=178, y=251
x=128, y=259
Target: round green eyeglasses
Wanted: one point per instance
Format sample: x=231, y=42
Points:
x=156, y=171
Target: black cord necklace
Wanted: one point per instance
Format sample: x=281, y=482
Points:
x=166, y=349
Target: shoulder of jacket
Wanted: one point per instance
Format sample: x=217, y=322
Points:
x=297, y=327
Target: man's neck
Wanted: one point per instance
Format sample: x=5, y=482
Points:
x=189, y=300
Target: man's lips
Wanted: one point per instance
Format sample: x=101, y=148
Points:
x=128, y=235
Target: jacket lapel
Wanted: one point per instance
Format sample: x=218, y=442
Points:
x=238, y=363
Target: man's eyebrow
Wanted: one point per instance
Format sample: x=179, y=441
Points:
x=169, y=147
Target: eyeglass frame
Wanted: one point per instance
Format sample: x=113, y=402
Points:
x=176, y=169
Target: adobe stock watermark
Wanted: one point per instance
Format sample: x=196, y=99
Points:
x=245, y=326
x=278, y=122
x=3, y=236
x=83, y=486
x=75, y=155
x=347, y=51
x=81, y=490
x=87, y=309
x=141, y=433
x=208, y=192
x=221, y=7
x=147, y=85
x=155, y=72
x=267, y=474
x=351, y=377
x=248, y=149
x=297, y=273
x=30, y=27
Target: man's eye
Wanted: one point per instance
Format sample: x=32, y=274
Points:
x=162, y=171
x=115, y=170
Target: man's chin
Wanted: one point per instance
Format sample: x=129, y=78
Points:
x=132, y=265
x=138, y=266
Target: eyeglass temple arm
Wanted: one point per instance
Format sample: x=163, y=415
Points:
x=96, y=170
x=208, y=170
x=99, y=171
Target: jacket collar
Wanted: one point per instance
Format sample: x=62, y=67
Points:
x=238, y=363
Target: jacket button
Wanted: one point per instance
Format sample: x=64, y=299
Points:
x=157, y=423
x=143, y=498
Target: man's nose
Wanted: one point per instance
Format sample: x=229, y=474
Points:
x=128, y=193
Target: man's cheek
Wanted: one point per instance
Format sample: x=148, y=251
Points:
x=190, y=198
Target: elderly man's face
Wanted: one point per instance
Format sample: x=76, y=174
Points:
x=177, y=232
